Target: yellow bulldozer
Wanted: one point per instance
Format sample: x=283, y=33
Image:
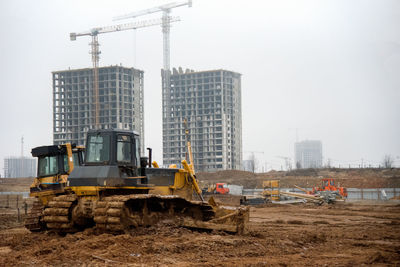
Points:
x=55, y=163
x=115, y=189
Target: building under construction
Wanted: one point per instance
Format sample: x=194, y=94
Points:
x=120, y=102
x=308, y=154
x=211, y=103
x=19, y=167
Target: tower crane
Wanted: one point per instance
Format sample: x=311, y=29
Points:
x=95, y=52
x=166, y=25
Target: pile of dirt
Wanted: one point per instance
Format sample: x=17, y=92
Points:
x=230, y=177
x=351, y=178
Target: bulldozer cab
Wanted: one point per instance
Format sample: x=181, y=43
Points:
x=112, y=161
x=57, y=159
x=55, y=163
x=111, y=147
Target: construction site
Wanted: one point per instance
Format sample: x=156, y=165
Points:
x=354, y=232
x=97, y=196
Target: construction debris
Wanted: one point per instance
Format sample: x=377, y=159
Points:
x=321, y=197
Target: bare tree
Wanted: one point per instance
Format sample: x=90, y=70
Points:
x=328, y=163
x=288, y=163
x=298, y=165
x=387, y=161
x=253, y=163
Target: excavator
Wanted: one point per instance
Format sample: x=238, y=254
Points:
x=116, y=190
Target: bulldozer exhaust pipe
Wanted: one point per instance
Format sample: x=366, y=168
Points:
x=150, y=154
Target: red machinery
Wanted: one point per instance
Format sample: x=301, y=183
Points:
x=222, y=188
x=328, y=184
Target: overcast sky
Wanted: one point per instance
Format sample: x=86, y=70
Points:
x=330, y=69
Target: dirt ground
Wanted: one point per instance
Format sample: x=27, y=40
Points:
x=348, y=234
x=343, y=234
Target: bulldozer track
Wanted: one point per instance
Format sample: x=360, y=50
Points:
x=58, y=215
x=33, y=221
x=107, y=214
x=119, y=213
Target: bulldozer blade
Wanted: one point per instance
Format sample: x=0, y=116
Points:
x=227, y=219
x=190, y=223
x=212, y=202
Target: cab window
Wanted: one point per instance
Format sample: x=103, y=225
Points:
x=137, y=147
x=47, y=166
x=124, y=148
x=98, y=149
x=66, y=166
x=75, y=158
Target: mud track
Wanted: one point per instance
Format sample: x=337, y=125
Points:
x=342, y=235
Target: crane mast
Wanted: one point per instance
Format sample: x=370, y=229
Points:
x=95, y=60
x=95, y=51
x=166, y=26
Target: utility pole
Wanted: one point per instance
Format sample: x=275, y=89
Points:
x=22, y=146
x=22, y=166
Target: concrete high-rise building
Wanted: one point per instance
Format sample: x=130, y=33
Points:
x=308, y=154
x=19, y=167
x=120, y=99
x=211, y=103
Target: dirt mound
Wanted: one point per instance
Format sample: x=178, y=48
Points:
x=230, y=177
x=351, y=178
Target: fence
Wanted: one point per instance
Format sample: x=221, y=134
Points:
x=16, y=201
x=372, y=193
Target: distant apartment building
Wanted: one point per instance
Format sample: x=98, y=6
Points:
x=211, y=103
x=120, y=102
x=19, y=167
x=308, y=154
